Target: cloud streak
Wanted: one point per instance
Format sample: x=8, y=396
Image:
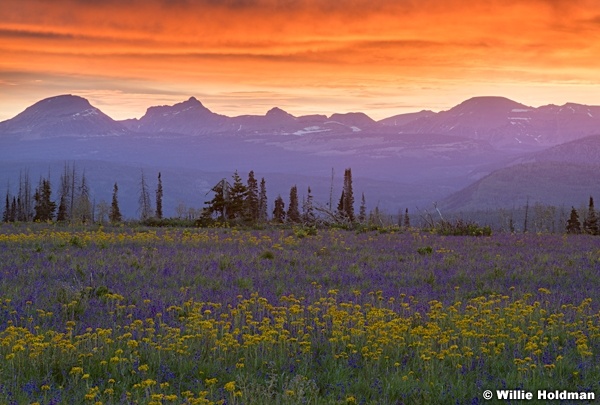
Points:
x=282, y=45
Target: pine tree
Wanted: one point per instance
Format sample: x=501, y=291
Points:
x=279, y=210
x=262, y=202
x=24, y=198
x=115, y=213
x=406, y=219
x=573, y=224
x=64, y=194
x=590, y=225
x=83, y=203
x=293, y=212
x=44, y=207
x=308, y=211
x=220, y=203
x=159, y=196
x=252, y=202
x=348, y=195
x=145, y=206
x=6, y=213
x=13, y=211
x=341, y=212
x=362, y=213
x=237, y=198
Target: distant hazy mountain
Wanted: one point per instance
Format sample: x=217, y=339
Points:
x=552, y=183
x=403, y=119
x=582, y=151
x=65, y=115
x=189, y=117
x=409, y=160
x=508, y=124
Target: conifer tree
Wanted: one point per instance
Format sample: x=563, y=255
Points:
x=115, y=213
x=145, y=206
x=44, y=207
x=308, y=211
x=590, y=224
x=573, y=224
x=6, y=213
x=64, y=195
x=252, y=202
x=341, y=212
x=13, y=211
x=159, y=196
x=362, y=213
x=348, y=205
x=406, y=219
x=293, y=212
x=237, y=198
x=24, y=198
x=279, y=210
x=220, y=203
x=262, y=201
x=83, y=203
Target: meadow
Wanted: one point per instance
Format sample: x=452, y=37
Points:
x=123, y=315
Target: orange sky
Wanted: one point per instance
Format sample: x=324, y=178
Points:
x=305, y=56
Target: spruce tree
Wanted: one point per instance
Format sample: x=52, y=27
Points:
x=341, y=212
x=262, y=201
x=406, y=219
x=6, y=213
x=159, y=196
x=44, y=207
x=348, y=205
x=293, y=213
x=145, y=206
x=279, y=210
x=591, y=221
x=220, y=203
x=83, y=203
x=115, y=213
x=362, y=213
x=237, y=198
x=252, y=202
x=13, y=211
x=573, y=224
x=64, y=195
x=308, y=212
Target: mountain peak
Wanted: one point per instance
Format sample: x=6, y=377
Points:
x=64, y=115
x=64, y=101
x=193, y=100
x=489, y=103
x=278, y=113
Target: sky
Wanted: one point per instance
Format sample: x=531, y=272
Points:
x=238, y=57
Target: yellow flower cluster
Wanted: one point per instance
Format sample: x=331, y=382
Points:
x=381, y=334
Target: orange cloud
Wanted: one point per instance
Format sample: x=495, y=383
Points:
x=390, y=50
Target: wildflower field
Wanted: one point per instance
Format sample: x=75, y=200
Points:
x=292, y=316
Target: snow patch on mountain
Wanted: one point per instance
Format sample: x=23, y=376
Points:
x=311, y=130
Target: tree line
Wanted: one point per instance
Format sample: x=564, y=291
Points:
x=73, y=203
x=246, y=203
x=234, y=201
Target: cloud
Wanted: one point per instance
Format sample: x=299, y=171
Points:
x=299, y=48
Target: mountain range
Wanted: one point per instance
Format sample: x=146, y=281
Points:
x=455, y=157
